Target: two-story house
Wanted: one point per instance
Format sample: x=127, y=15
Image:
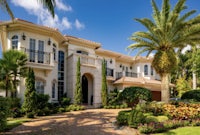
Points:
x=53, y=56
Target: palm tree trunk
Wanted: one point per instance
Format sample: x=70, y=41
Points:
x=194, y=81
x=165, y=88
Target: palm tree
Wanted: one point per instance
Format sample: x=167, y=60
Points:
x=49, y=4
x=169, y=31
x=12, y=67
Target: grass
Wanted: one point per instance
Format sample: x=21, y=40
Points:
x=182, y=131
x=12, y=123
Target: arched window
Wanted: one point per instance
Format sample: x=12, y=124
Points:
x=145, y=69
x=15, y=42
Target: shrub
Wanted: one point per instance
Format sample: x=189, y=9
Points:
x=182, y=111
x=4, y=112
x=16, y=112
x=42, y=104
x=193, y=94
x=113, y=97
x=122, y=117
x=30, y=115
x=132, y=95
x=153, y=127
x=65, y=101
x=61, y=109
x=74, y=108
x=154, y=107
x=150, y=119
x=135, y=118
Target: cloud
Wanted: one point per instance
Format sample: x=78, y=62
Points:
x=79, y=25
x=61, y=6
x=35, y=8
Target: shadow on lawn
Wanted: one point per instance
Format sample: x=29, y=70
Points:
x=71, y=123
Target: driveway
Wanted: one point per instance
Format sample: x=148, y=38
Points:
x=87, y=122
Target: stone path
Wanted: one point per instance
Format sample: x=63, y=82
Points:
x=87, y=122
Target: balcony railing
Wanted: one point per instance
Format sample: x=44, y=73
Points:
x=131, y=74
x=36, y=56
x=118, y=75
x=87, y=60
x=127, y=74
x=109, y=72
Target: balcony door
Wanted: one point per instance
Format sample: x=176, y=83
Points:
x=40, y=51
x=32, y=50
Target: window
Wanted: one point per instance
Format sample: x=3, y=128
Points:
x=32, y=50
x=39, y=86
x=54, y=51
x=82, y=52
x=53, y=95
x=151, y=70
x=61, y=67
x=40, y=51
x=145, y=69
x=15, y=42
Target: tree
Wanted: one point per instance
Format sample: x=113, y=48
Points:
x=169, y=31
x=12, y=67
x=132, y=95
x=29, y=104
x=104, y=89
x=78, y=89
x=49, y=4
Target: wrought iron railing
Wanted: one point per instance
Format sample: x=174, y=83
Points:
x=131, y=74
x=37, y=56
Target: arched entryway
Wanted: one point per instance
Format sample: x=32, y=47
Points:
x=87, y=89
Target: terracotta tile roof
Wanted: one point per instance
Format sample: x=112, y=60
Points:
x=139, y=80
x=81, y=39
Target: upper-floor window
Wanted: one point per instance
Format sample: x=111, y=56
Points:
x=54, y=51
x=145, y=69
x=15, y=42
x=151, y=70
x=61, y=62
x=82, y=52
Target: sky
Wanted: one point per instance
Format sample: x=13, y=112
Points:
x=109, y=22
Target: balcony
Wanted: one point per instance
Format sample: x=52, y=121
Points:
x=38, y=59
x=131, y=74
x=126, y=74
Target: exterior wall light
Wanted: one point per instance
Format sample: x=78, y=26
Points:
x=110, y=61
x=120, y=65
x=23, y=36
x=130, y=67
x=49, y=41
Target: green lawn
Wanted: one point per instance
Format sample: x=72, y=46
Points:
x=183, y=131
x=11, y=123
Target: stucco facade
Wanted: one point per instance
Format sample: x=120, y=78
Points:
x=54, y=56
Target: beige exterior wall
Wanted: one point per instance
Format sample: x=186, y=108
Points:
x=90, y=64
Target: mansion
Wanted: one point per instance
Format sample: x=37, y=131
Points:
x=53, y=57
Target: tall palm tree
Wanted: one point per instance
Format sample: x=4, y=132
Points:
x=169, y=31
x=49, y=4
x=12, y=67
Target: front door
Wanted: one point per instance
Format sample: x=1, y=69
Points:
x=85, y=89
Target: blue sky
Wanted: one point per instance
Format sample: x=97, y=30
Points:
x=109, y=22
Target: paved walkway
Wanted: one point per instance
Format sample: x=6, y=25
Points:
x=87, y=122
